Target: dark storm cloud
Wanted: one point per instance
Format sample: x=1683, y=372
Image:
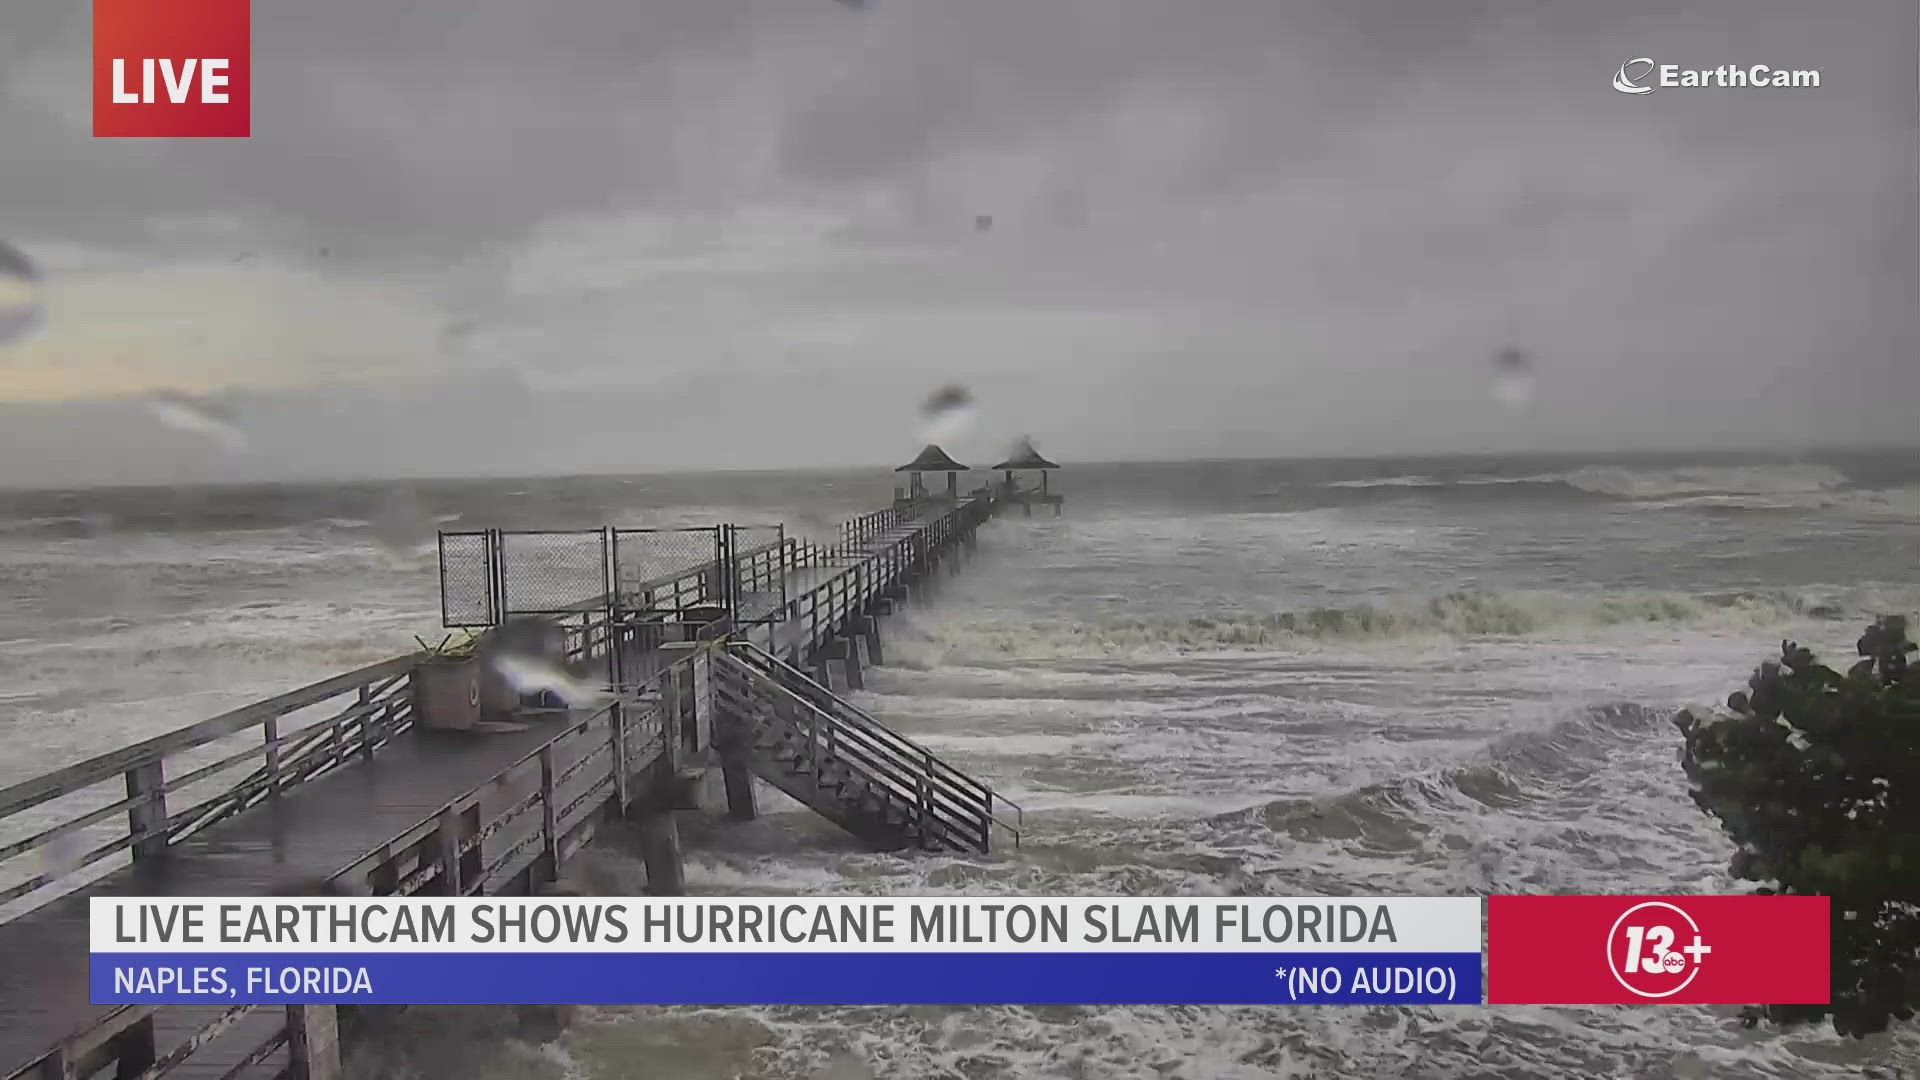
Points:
x=457, y=123
x=1280, y=199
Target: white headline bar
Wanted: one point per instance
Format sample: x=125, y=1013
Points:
x=786, y=924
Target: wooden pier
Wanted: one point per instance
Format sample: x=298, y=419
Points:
x=717, y=649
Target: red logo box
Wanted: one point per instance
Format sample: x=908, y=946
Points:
x=173, y=69
x=1696, y=950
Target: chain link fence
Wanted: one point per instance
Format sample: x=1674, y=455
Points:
x=488, y=576
x=667, y=569
x=467, y=596
x=545, y=573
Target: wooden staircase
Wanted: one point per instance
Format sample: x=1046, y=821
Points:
x=853, y=770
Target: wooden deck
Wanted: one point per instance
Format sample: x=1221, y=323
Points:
x=368, y=797
x=313, y=831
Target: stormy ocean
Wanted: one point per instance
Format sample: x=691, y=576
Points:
x=1438, y=676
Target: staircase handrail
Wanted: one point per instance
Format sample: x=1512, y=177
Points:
x=881, y=752
x=956, y=812
x=866, y=720
x=884, y=733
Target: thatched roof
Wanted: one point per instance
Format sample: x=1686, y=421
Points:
x=932, y=459
x=1026, y=457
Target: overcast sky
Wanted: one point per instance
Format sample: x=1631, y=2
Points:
x=475, y=236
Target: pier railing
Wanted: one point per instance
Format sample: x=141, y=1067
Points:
x=556, y=792
x=135, y=801
x=523, y=822
x=138, y=800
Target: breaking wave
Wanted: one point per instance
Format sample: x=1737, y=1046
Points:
x=1708, y=480
x=1508, y=771
x=1730, y=486
x=1390, y=481
x=1708, y=489
x=1454, y=614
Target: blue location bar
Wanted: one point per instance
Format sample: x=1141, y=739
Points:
x=825, y=978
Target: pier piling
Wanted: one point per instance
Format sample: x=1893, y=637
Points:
x=870, y=629
x=313, y=1042
x=737, y=775
x=850, y=661
x=660, y=852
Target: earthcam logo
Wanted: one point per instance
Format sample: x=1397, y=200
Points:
x=176, y=69
x=1641, y=76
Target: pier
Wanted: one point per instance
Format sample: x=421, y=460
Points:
x=716, y=652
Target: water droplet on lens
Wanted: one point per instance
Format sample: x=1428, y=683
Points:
x=183, y=412
x=1512, y=377
x=1513, y=391
x=532, y=675
x=21, y=291
x=526, y=652
x=947, y=414
x=949, y=397
x=61, y=856
x=402, y=526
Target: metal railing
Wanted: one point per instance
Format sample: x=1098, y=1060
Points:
x=563, y=781
x=491, y=575
x=911, y=774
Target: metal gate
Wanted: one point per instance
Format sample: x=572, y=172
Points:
x=469, y=594
x=552, y=572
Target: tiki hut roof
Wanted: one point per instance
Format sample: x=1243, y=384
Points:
x=932, y=459
x=1026, y=457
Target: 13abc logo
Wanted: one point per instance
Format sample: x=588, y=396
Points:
x=1655, y=949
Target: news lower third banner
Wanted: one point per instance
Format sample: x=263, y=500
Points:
x=846, y=950
x=959, y=950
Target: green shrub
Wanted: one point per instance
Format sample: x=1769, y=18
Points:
x=1816, y=777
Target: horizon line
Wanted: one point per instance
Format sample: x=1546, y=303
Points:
x=319, y=480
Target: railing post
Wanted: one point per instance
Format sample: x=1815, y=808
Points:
x=700, y=679
x=366, y=723
x=617, y=720
x=148, y=819
x=448, y=834
x=672, y=704
x=272, y=730
x=57, y=1065
x=660, y=837
x=134, y=1049
x=922, y=792
x=549, y=819
x=733, y=738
